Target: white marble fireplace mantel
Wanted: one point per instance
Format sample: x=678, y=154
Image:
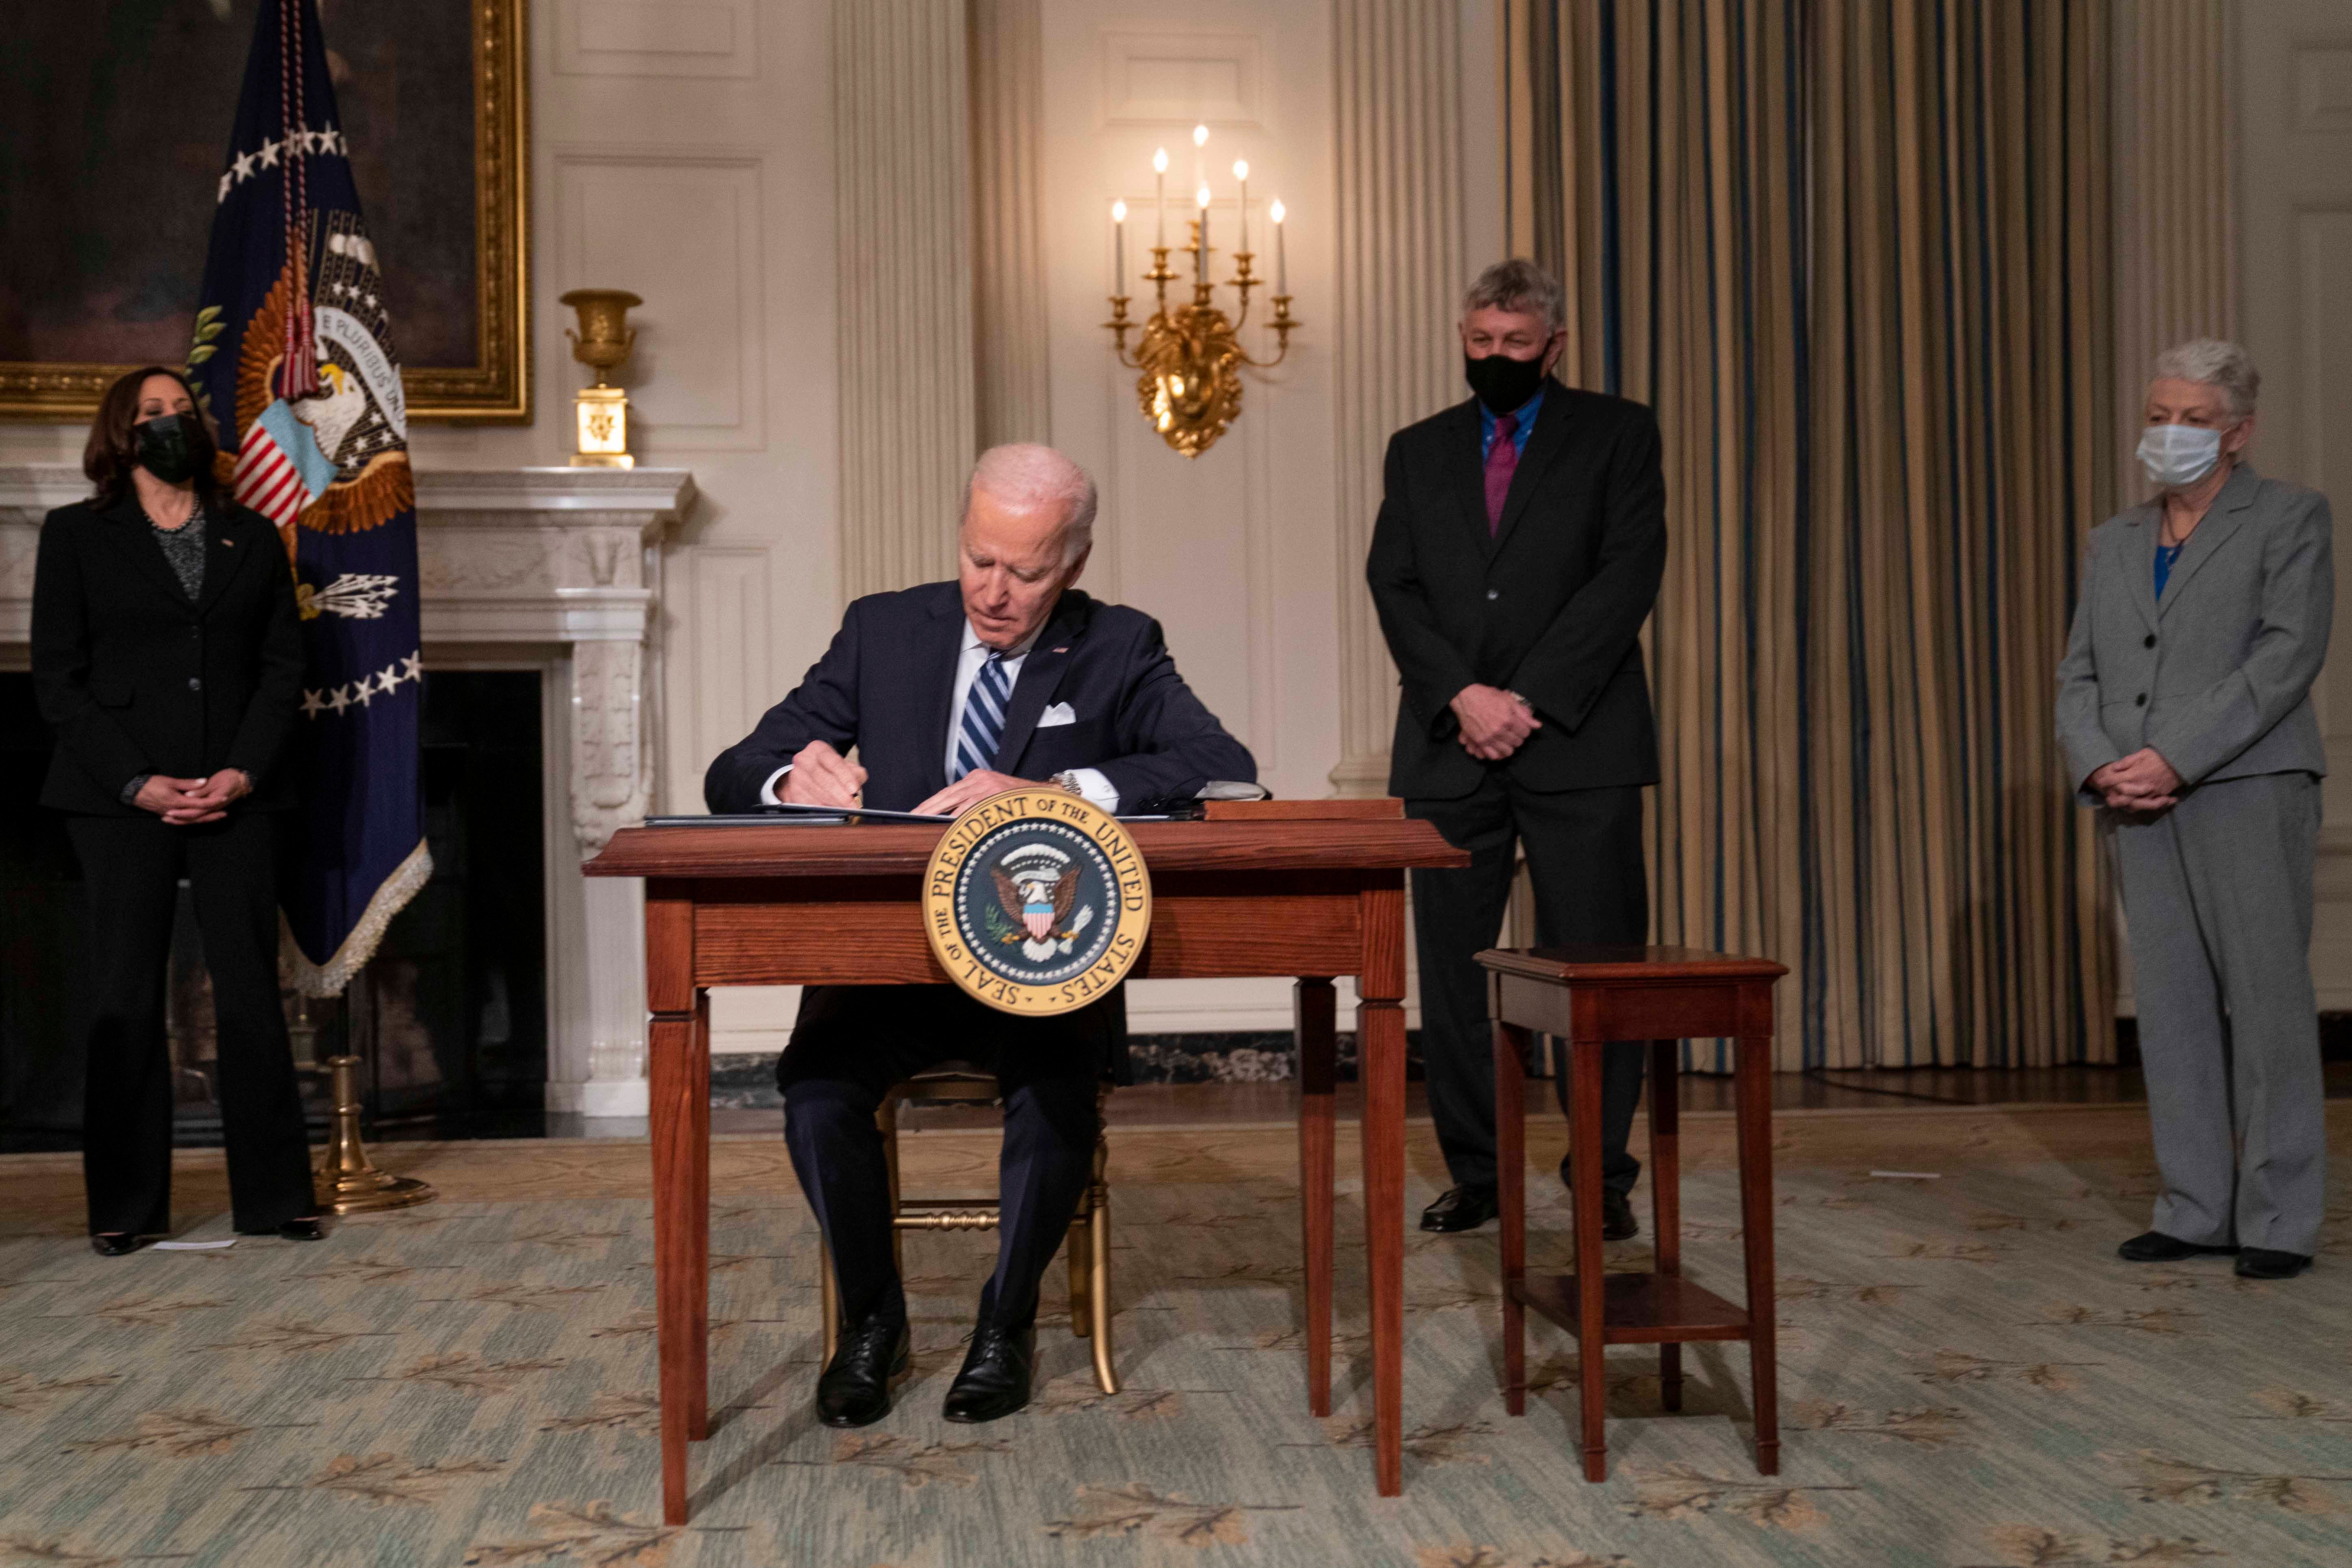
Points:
x=562, y=568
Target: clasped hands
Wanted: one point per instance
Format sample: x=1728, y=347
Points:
x=823, y=776
x=1495, y=724
x=185, y=802
x=2143, y=781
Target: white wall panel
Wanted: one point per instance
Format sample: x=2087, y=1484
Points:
x=685, y=232
x=1160, y=77
x=720, y=644
x=657, y=37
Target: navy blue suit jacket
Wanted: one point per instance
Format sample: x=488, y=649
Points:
x=887, y=682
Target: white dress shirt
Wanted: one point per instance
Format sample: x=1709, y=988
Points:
x=1098, y=789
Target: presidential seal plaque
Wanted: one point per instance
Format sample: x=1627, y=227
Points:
x=1036, y=902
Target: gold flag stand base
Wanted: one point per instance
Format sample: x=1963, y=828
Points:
x=345, y=1181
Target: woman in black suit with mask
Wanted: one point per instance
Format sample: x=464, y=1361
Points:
x=167, y=655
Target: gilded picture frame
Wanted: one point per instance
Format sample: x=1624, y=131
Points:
x=465, y=353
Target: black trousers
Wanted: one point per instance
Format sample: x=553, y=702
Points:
x=851, y=1043
x=1584, y=856
x=131, y=867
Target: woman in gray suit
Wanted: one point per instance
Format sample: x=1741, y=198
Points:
x=2184, y=707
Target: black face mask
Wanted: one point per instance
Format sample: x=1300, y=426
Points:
x=1502, y=382
x=174, y=447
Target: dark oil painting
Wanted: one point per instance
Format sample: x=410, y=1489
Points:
x=115, y=118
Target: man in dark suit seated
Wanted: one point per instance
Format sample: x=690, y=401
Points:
x=1521, y=540
x=952, y=692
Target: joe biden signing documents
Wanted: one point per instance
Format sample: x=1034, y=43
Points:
x=949, y=693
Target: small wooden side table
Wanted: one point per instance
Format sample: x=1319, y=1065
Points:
x=1588, y=996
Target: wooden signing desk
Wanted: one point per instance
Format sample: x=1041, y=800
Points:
x=1309, y=889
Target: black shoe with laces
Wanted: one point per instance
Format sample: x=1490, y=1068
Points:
x=1617, y=1221
x=855, y=1388
x=994, y=1382
x=1461, y=1208
x=115, y=1243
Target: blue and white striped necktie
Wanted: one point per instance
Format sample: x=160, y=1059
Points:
x=983, y=719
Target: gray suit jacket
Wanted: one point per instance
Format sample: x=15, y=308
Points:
x=2217, y=678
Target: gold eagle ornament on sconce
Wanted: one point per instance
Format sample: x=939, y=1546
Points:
x=1190, y=354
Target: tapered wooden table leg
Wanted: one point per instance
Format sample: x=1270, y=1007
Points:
x=1755, y=1092
x=1667, y=1195
x=679, y=1084
x=1379, y=1044
x=1316, y=1007
x=678, y=1046
x=1511, y=1196
x=696, y=1222
x=1592, y=1337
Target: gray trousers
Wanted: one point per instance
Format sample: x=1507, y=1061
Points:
x=2218, y=893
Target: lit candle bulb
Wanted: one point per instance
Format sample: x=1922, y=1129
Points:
x=1159, y=195
x=1240, y=172
x=1119, y=249
x=1281, y=254
x=1201, y=237
x=1200, y=140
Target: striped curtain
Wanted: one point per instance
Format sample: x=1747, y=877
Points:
x=1854, y=256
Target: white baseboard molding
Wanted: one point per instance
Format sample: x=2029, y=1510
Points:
x=601, y=1097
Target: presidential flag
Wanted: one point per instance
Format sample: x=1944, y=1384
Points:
x=293, y=357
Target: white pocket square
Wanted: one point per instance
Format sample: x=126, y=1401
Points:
x=1059, y=713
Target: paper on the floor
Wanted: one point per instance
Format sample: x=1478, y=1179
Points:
x=193, y=1246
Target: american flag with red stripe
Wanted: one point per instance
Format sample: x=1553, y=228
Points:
x=279, y=469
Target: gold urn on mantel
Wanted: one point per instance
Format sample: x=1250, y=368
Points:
x=602, y=342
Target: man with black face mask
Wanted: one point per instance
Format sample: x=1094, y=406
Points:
x=1520, y=543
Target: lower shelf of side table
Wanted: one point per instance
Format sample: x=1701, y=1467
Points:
x=1637, y=1309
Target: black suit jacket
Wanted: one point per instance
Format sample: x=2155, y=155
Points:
x=887, y=684
x=135, y=679
x=1551, y=606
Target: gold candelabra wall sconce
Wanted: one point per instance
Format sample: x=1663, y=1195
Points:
x=1190, y=354
x=602, y=344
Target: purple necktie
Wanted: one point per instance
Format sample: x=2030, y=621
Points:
x=1502, y=462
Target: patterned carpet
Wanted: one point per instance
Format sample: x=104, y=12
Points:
x=1969, y=1378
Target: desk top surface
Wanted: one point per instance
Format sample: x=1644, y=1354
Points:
x=787, y=850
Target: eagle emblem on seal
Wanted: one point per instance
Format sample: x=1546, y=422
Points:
x=1038, y=892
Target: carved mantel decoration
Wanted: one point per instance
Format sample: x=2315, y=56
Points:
x=553, y=564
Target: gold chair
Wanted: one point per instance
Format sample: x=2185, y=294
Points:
x=960, y=1083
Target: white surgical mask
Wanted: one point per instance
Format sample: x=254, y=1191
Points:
x=2178, y=455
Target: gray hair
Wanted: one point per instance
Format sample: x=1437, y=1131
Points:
x=1026, y=475
x=1522, y=288
x=2216, y=363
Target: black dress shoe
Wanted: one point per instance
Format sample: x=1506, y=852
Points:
x=302, y=1230
x=1461, y=1208
x=2154, y=1246
x=115, y=1243
x=2264, y=1263
x=855, y=1389
x=1617, y=1221
x=994, y=1382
